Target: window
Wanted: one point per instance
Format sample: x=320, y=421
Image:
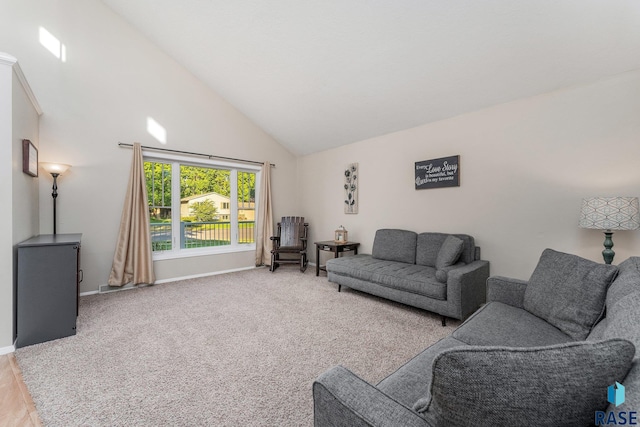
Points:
x=199, y=208
x=159, y=194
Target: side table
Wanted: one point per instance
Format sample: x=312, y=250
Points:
x=336, y=248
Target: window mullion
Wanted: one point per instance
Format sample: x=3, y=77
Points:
x=176, y=231
x=233, y=199
x=256, y=202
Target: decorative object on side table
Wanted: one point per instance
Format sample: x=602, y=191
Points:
x=351, y=189
x=29, y=158
x=608, y=214
x=341, y=235
x=55, y=169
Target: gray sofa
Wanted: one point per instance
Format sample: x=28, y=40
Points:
x=438, y=272
x=546, y=351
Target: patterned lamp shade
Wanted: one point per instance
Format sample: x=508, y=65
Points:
x=610, y=213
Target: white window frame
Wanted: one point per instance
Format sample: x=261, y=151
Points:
x=176, y=161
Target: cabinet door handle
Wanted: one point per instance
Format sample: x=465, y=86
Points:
x=81, y=276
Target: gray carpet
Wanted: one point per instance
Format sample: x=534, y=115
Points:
x=239, y=349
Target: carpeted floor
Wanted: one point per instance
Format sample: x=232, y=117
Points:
x=239, y=349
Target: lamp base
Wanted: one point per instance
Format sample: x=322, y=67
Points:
x=54, y=194
x=608, y=253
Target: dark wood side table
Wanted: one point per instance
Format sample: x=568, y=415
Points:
x=336, y=248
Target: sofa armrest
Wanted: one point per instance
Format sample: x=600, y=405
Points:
x=467, y=286
x=341, y=398
x=506, y=290
x=442, y=273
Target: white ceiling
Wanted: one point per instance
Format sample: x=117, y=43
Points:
x=319, y=74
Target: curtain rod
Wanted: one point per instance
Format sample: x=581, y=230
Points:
x=210, y=156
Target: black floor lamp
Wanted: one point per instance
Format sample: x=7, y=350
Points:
x=55, y=169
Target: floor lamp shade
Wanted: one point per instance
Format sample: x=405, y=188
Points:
x=608, y=214
x=58, y=168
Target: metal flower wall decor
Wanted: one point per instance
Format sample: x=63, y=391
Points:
x=351, y=189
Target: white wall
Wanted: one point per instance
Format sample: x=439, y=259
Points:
x=18, y=120
x=25, y=196
x=111, y=81
x=6, y=213
x=524, y=165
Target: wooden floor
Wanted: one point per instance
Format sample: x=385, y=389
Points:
x=16, y=405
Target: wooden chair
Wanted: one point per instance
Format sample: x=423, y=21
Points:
x=290, y=241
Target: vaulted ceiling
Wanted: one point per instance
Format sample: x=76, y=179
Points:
x=320, y=74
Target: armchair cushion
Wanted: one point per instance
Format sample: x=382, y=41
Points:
x=501, y=324
x=500, y=386
x=341, y=398
x=626, y=283
x=569, y=292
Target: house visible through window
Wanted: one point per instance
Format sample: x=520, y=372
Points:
x=200, y=208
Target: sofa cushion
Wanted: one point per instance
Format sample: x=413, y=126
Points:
x=412, y=380
x=429, y=244
x=597, y=332
x=449, y=252
x=497, y=323
x=623, y=320
x=395, y=245
x=413, y=278
x=627, y=281
x=500, y=386
x=568, y=291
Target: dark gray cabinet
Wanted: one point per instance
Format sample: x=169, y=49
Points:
x=47, y=288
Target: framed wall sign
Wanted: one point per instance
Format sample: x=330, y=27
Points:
x=438, y=173
x=29, y=158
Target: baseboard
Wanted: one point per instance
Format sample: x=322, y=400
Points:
x=7, y=350
x=214, y=273
x=105, y=289
x=84, y=294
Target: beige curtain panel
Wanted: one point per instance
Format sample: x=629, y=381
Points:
x=132, y=261
x=265, y=218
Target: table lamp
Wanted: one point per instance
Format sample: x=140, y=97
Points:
x=608, y=214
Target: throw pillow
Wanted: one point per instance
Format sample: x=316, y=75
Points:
x=441, y=276
x=568, y=291
x=561, y=384
x=449, y=252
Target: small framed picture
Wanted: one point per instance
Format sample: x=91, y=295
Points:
x=29, y=158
